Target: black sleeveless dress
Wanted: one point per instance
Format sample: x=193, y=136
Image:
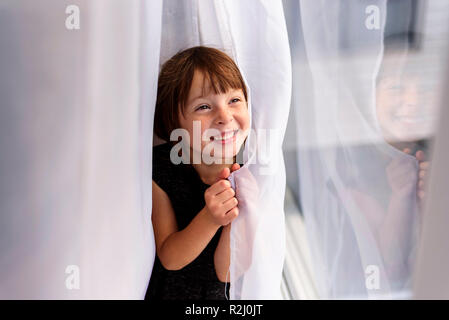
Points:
x=198, y=279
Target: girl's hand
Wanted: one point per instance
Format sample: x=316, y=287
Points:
x=221, y=203
x=422, y=173
x=402, y=175
x=235, y=167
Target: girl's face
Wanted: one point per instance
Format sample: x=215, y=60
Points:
x=223, y=119
x=404, y=110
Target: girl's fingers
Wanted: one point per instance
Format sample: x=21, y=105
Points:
x=225, y=195
x=422, y=174
x=221, y=190
x=230, y=204
x=419, y=155
x=232, y=214
x=421, y=184
x=235, y=167
x=424, y=165
x=219, y=187
x=224, y=174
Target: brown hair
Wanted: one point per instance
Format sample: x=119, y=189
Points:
x=175, y=81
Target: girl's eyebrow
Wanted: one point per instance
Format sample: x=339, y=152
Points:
x=194, y=99
x=240, y=91
x=199, y=97
x=233, y=91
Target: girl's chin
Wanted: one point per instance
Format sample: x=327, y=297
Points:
x=224, y=156
x=216, y=152
x=220, y=157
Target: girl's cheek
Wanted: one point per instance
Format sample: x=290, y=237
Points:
x=246, y=123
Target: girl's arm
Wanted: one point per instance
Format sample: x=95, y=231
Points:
x=222, y=255
x=176, y=249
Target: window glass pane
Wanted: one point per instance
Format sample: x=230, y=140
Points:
x=367, y=81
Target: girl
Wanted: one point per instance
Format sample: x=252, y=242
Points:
x=193, y=203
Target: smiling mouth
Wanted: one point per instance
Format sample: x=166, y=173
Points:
x=410, y=119
x=225, y=137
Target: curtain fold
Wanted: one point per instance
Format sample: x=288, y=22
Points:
x=77, y=115
x=358, y=192
x=258, y=43
x=262, y=52
x=76, y=148
x=76, y=133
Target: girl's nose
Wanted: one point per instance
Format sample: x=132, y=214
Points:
x=224, y=116
x=410, y=98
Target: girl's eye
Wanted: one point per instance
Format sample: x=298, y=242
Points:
x=235, y=100
x=203, y=107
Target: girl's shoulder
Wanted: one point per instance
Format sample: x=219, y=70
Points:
x=161, y=153
x=163, y=168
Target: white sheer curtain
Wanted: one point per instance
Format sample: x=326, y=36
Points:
x=76, y=144
x=76, y=121
x=358, y=192
x=258, y=234
x=254, y=34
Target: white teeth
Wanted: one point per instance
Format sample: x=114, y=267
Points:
x=225, y=137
